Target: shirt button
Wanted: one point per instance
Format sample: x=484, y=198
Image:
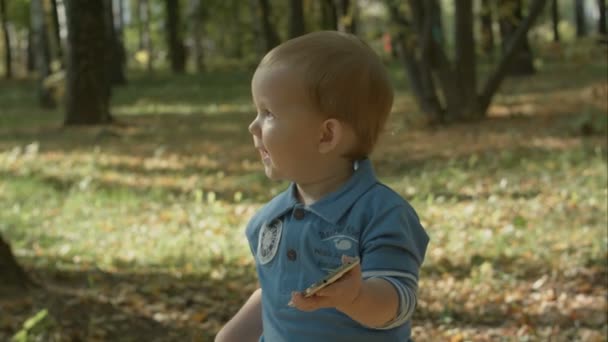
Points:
x=292, y=255
x=299, y=213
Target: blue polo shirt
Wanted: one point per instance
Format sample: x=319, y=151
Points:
x=296, y=245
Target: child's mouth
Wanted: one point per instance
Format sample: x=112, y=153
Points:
x=265, y=155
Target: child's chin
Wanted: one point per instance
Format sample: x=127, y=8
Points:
x=272, y=174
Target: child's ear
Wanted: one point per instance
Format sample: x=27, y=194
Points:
x=332, y=131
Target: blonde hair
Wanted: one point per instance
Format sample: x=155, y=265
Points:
x=345, y=80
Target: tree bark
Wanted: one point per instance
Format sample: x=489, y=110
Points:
x=511, y=11
x=14, y=278
x=579, y=12
x=175, y=43
x=8, y=68
x=555, y=20
x=296, y=18
x=88, y=84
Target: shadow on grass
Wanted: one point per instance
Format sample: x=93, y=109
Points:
x=128, y=305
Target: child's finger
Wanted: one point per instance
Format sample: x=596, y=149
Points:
x=308, y=304
x=340, y=285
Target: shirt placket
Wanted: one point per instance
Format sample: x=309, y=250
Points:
x=293, y=255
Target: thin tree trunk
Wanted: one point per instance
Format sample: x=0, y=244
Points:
x=601, y=21
x=511, y=19
x=515, y=43
x=145, y=40
x=88, y=83
x=329, y=15
x=120, y=37
x=114, y=64
x=238, y=43
x=8, y=68
x=465, y=60
x=487, y=33
x=419, y=71
x=30, y=53
x=555, y=20
x=41, y=53
x=271, y=38
x=296, y=18
x=579, y=12
x=56, y=36
x=177, y=52
x=422, y=55
x=196, y=20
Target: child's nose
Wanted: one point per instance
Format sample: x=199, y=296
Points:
x=254, y=127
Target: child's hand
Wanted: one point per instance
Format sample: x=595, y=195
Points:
x=340, y=294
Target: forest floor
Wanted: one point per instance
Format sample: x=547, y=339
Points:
x=135, y=232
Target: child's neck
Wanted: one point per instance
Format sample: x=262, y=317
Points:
x=312, y=191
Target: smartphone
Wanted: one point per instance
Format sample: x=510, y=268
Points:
x=331, y=278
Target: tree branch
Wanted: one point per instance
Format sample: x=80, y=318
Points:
x=511, y=50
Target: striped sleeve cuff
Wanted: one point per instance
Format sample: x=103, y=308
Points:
x=406, y=285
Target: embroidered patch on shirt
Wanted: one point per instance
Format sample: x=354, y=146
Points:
x=268, y=241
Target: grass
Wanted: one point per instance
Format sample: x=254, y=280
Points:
x=145, y=222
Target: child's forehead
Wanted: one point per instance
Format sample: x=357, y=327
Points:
x=278, y=79
x=279, y=85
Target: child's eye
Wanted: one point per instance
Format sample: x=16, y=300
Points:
x=267, y=114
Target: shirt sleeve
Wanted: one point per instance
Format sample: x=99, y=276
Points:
x=393, y=248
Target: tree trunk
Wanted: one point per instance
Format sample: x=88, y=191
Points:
x=329, y=15
x=430, y=71
x=420, y=70
x=296, y=18
x=487, y=33
x=511, y=11
x=177, y=51
x=8, y=68
x=143, y=24
x=515, y=43
x=579, y=12
x=114, y=64
x=53, y=34
x=601, y=21
x=555, y=20
x=41, y=52
x=14, y=278
x=196, y=21
x=465, y=61
x=88, y=86
x=271, y=38
x=120, y=39
x=61, y=30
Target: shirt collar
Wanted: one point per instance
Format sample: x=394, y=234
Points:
x=333, y=206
